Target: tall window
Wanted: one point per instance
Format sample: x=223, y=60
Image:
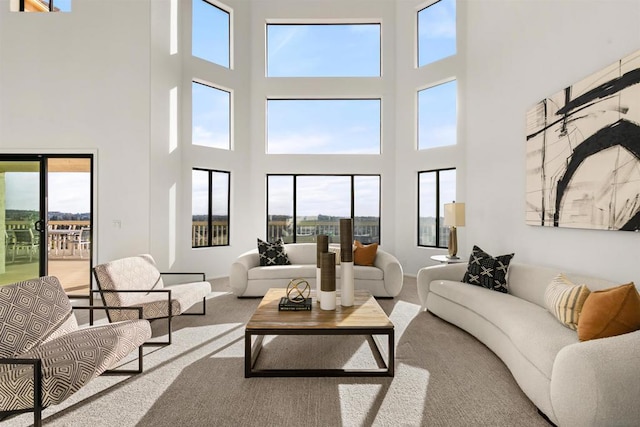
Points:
x=435, y=188
x=42, y=6
x=210, y=208
x=211, y=116
x=211, y=33
x=299, y=207
x=323, y=50
x=437, y=116
x=323, y=126
x=436, y=32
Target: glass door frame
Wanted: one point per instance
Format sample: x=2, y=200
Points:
x=42, y=228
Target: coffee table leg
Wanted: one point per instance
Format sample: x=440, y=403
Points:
x=251, y=352
x=392, y=358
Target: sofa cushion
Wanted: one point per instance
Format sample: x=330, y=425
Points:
x=487, y=271
x=292, y=271
x=364, y=254
x=564, y=300
x=272, y=253
x=610, y=312
x=532, y=329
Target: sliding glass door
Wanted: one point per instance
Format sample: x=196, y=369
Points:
x=22, y=219
x=45, y=210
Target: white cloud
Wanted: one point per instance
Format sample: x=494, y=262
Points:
x=202, y=136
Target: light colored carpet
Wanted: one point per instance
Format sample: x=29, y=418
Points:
x=444, y=377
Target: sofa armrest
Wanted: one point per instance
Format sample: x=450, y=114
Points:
x=427, y=275
x=239, y=273
x=392, y=272
x=597, y=382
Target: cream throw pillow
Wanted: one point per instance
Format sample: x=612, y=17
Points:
x=565, y=299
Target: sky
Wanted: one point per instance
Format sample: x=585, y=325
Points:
x=327, y=126
x=68, y=192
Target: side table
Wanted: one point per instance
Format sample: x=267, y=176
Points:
x=443, y=259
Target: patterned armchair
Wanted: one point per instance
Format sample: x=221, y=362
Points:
x=136, y=282
x=45, y=357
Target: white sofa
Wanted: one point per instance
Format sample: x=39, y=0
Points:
x=248, y=279
x=591, y=383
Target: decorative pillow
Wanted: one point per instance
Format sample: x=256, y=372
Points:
x=565, y=299
x=272, y=253
x=487, y=271
x=610, y=312
x=335, y=250
x=364, y=254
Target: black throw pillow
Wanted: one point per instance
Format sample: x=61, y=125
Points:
x=272, y=253
x=487, y=271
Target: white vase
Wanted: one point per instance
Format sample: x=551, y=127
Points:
x=347, y=289
x=318, y=284
x=327, y=300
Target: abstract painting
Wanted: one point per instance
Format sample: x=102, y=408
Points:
x=583, y=152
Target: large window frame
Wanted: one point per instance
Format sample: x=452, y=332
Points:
x=439, y=243
x=229, y=48
x=270, y=149
x=352, y=202
x=332, y=74
x=210, y=207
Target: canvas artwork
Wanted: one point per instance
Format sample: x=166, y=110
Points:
x=583, y=152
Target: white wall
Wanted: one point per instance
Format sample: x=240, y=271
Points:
x=518, y=53
x=79, y=82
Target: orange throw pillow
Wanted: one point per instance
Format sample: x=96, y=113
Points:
x=364, y=254
x=610, y=312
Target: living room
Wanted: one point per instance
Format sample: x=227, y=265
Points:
x=113, y=79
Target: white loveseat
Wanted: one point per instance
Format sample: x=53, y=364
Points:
x=590, y=383
x=248, y=279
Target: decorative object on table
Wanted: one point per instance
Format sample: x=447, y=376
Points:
x=272, y=253
x=322, y=246
x=346, y=262
x=453, y=217
x=583, y=152
x=364, y=254
x=298, y=290
x=328, y=281
x=286, y=305
x=487, y=271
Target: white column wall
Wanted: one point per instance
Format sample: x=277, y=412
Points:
x=518, y=53
x=79, y=82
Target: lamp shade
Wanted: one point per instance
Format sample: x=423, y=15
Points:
x=454, y=214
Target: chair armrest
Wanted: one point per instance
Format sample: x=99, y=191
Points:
x=427, y=275
x=184, y=274
x=597, y=382
x=37, y=385
x=107, y=307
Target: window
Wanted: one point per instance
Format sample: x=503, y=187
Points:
x=323, y=50
x=436, y=32
x=435, y=188
x=210, y=208
x=437, y=116
x=211, y=116
x=211, y=33
x=299, y=207
x=42, y=6
x=323, y=126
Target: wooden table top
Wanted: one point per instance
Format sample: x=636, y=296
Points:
x=365, y=313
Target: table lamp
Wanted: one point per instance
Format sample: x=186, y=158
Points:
x=453, y=217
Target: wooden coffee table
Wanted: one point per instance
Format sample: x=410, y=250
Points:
x=365, y=317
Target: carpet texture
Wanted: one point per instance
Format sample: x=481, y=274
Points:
x=444, y=377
